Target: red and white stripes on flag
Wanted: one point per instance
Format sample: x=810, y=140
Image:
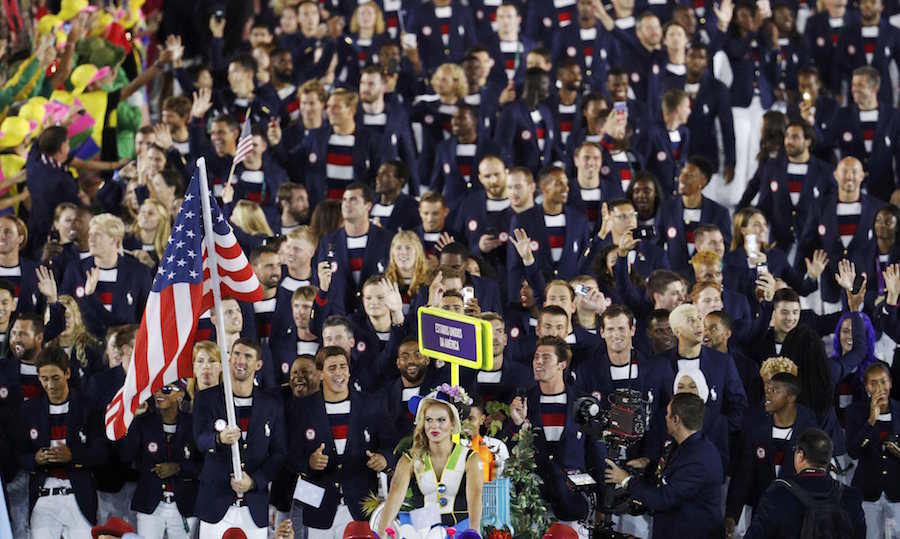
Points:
x=181, y=293
x=245, y=142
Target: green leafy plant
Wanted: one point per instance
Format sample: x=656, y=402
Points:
x=527, y=508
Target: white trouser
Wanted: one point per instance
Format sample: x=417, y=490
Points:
x=747, y=135
x=882, y=519
x=634, y=525
x=55, y=516
x=235, y=517
x=342, y=517
x=17, y=500
x=117, y=504
x=166, y=519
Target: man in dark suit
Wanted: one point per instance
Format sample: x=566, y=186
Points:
x=49, y=183
x=59, y=444
x=727, y=400
x=679, y=216
x=559, y=443
x=340, y=440
x=867, y=130
x=559, y=234
x=688, y=503
x=355, y=252
x=224, y=501
x=780, y=512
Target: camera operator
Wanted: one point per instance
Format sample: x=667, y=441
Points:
x=559, y=445
x=688, y=502
x=625, y=368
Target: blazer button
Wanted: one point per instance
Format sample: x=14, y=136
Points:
x=551, y=457
x=702, y=20
x=468, y=185
x=340, y=467
x=588, y=72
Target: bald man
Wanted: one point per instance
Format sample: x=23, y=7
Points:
x=727, y=401
x=841, y=225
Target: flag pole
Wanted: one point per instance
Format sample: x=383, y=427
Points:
x=213, y=265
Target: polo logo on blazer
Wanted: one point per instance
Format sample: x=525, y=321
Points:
x=3, y=392
x=310, y=434
x=33, y=433
x=760, y=453
x=313, y=158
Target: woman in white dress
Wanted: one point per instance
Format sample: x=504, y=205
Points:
x=445, y=477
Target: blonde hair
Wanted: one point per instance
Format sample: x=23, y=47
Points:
x=379, y=18
x=420, y=440
x=302, y=233
x=161, y=236
x=249, y=217
x=455, y=72
x=212, y=350
x=81, y=337
x=705, y=258
x=351, y=99
x=421, y=275
x=701, y=286
x=313, y=86
x=774, y=365
x=740, y=220
x=109, y=224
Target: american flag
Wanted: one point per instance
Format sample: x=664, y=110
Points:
x=181, y=292
x=245, y=142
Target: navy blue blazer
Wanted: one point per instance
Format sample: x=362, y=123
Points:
x=878, y=469
x=755, y=471
x=375, y=260
x=48, y=184
x=84, y=438
x=146, y=446
x=514, y=378
x=844, y=132
x=576, y=241
x=445, y=177
x=262, y=454
x=822, y=41
x=517, y=137
x=780, y=514
x=397, y=140
x=424, y=23
x=712, y=102
x=821, y=232
x=567, y=44
x=133, y=282
x=738, y=276
x=404, y=214
x=345, y=476
x=747, y=79
x=473, y=219
x=28, y=298
x=850, y=54
x=656, y=149
x=671, y=233
x=309, y=160
x=575, y=450
x=727, y=401
x=785, y=219
x=265, y=194
x=688, y=504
